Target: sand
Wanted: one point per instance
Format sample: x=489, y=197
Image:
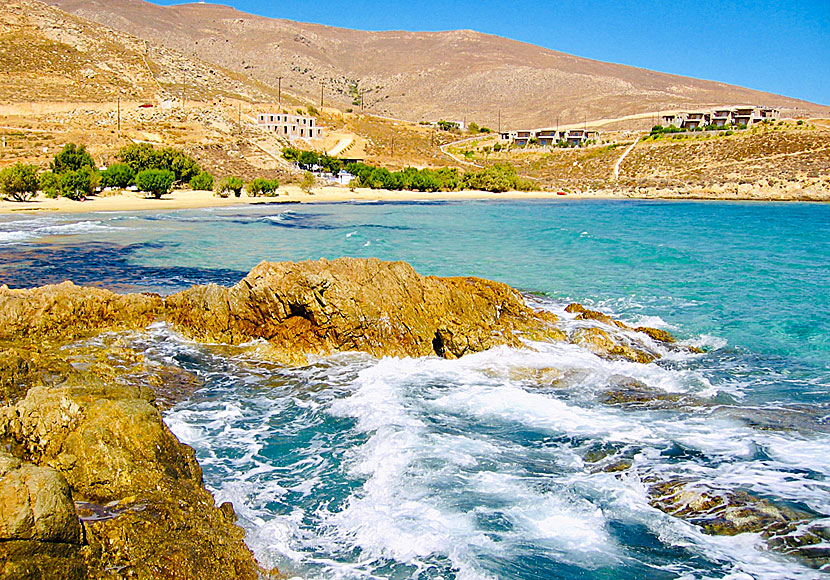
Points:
x=187, y=199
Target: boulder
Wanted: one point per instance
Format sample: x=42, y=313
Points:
x=40, y=534
x=348, y=304
x=601, y=343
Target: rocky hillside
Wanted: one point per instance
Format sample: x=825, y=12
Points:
x=49, y=55
x=417, y=75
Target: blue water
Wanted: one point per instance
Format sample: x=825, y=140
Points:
x=353, y=467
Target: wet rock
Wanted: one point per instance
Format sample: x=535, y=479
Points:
x=726, y=512
x=64, y=312
x=628, y=392
x=24, y=367
x=382, y=308
x=600, y=342
x=583, y=313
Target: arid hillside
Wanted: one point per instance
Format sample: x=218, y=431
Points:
x=453, y=75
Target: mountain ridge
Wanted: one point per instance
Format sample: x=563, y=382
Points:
x=456, y=74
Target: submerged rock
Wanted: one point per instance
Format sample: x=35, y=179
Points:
x=382, y=308
x=718, y=512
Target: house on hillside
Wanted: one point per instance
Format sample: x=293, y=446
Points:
x=290, y=126
x=548, y=137
x=727, y=116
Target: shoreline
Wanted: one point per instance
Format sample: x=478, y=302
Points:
x=188, y=199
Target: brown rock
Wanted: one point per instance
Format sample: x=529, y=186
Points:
x=65, y=311
x=40, y=535
x=601, y=343
x=656, y=334
x=383, y=308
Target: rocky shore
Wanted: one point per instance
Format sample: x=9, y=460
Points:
x=94, y=485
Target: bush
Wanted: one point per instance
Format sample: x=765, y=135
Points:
x=308, y=182
x=156, y=182
x=202, y=182
x=71, y=158
x=142, y=156
x=78, y=185
x=498, y=178
x=118, y=175
x=260, y=186
x=50, y=184
x=19, y=182
x=229, y=185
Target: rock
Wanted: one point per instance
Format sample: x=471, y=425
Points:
x=137, y=489
x=585, y=314
x=599, y=342
x=382, y=308
x=64, y=311
x=24, y=367
x=40, y=535
x=736, y=512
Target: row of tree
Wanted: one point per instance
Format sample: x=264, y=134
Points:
x=72, y=173
x=313, y=161
x=495, y=178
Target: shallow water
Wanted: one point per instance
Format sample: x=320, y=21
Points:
x=353, y=467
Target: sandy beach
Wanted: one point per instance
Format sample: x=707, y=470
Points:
x=188, y=199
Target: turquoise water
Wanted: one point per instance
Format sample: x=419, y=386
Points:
x=357, y=468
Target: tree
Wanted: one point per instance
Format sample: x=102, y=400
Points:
x=50, y=184
x=71, y=158
x=19, y=182
x=308, y=182
x=118, y=175
x=202, y=182
x=260, y=186
x=229, y=185
x=139, y=156
x=142, y=156
x=156, y=182
x=78, y=185
x=473, y=128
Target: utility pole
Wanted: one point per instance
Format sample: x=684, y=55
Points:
x=239, y=116
x=321, y=94
x=499, y=121
x=119, y=119
x=279, y=90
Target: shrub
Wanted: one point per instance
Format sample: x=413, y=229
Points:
x=78, y=185
x=19, y=182
x=71, y=158
x=142, y=156
x=308, y=182
x=118, y=175
x=156, y=182
x=50, y=184
x=260, y=186
x=498, y=178
x=202, y=182
x=229, y=185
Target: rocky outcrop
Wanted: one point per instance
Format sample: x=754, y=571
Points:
x=382, y=308
x=65, y=311
x=96, y=486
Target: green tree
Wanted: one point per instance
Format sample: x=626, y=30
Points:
x=71, y=158
x=118, y=175
x=50, y=184
x=308, y=182
x=202, y=182
x=156, y=182
x=78, y=185
x=473, y=128
x=139, y=156
x=260, y=186
x=307, y=160
x=229, y=185
x=19, y=182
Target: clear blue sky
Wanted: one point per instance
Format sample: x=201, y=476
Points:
x=777, y=46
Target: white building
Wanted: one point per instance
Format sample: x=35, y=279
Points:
x=290, y=126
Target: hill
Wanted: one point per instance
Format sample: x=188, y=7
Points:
x=419, y=75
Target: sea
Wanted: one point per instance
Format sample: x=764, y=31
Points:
x=353, y=467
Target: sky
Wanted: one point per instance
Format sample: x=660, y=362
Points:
x=776, y=46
